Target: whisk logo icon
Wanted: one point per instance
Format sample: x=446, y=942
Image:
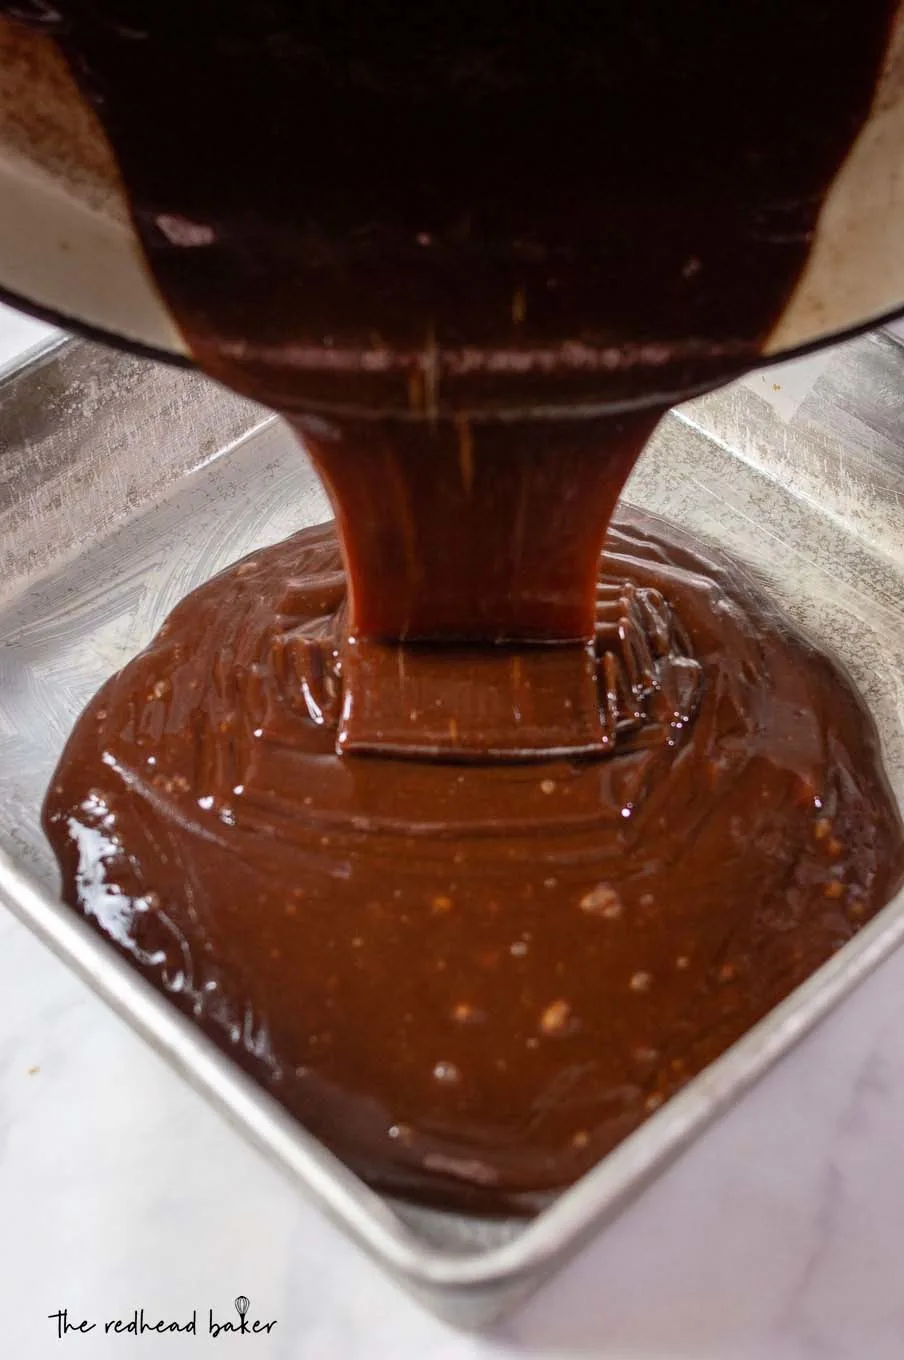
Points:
x=246, y=1325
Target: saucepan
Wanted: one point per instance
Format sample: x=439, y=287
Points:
x=69, y=252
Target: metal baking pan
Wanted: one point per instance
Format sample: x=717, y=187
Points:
x=124, y=484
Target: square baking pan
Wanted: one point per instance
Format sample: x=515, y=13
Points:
x=124, y=484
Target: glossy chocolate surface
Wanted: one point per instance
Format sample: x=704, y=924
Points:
x=472, y=980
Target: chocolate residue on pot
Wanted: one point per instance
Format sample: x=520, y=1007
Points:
x=471, y=848
x=389, y=205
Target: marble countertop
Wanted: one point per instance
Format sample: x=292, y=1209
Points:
x=20, y=335
x=778, y=1236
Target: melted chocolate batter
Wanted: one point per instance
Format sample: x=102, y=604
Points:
x=471, y=847
x=472, y=980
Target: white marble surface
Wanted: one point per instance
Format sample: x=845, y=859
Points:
x=20, y=335
x=779, y=1236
